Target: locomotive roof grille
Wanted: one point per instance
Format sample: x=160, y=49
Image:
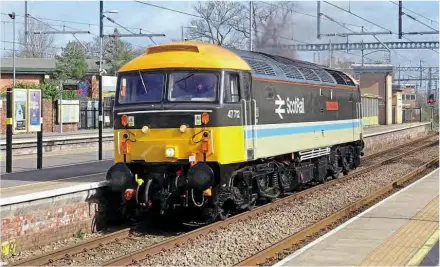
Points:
x=347, y=79
x=324, y=75
x=309, y=74
x=260, y=67
x=337, y=77
x=291, y=71
x=272, y=65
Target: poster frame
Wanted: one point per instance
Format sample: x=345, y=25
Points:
x=30, y=127
x=14, y=122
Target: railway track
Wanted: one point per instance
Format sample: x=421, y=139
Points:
x=308, y=234
x=169, y=243
x=134, y=258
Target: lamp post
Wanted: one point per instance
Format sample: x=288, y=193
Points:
x=12, y=16
x=101, y=35
x=187, y=27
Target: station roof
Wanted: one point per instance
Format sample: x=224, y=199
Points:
x=372, y=68
x=39, y=66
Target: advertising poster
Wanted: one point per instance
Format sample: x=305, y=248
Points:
x=20, y=104
x=83, y=90
x=34, y=110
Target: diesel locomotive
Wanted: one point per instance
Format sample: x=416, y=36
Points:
x=205, y=127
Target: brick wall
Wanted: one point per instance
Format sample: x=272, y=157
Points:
x=36, y=228
x=94, y=87
x=7, y=79
x=372, y=83
x=386, y=141
x=39, y=222
x=49, y=119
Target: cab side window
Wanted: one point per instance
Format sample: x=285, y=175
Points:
x=232, y=88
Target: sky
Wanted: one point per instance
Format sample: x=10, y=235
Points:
x=84, y=15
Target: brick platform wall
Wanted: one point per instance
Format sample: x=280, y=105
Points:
x=37, y=228
x=37, y=223
x=389, y=140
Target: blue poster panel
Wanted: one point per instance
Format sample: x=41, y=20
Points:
x=34, y=110
x=83, y=90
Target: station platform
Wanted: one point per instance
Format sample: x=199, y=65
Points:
x=71, y=170
x=55, y=159
x=401, y=230
x=55, y=135
x=384, y=129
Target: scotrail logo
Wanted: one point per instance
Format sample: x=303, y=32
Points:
x=295, y=106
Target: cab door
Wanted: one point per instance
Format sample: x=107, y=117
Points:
x=357, y=112
x=249, y=118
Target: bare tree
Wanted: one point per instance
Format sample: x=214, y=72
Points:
x=215, y=25
x=272, y=25
x=37, y=45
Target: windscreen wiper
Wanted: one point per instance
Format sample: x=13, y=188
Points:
x=143, y=83
x=187, y=76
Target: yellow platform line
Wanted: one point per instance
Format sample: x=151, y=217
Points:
x=408, y=240
x=421, y=254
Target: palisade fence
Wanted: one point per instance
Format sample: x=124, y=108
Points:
x=411, y=115
x=89, y=113
x=370, y=111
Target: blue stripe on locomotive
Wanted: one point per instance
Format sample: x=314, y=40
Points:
x=297, y=129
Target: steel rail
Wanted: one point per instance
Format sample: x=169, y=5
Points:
x=73, y=249
x=271, y=252
x=85, y=245
x=135, y=257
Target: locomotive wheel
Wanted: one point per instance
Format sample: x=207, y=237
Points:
x=224, y=213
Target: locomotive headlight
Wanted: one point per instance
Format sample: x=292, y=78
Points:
x=183, y=128
x=145, y=129
x=169, y=152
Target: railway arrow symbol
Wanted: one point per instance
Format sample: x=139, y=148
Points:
x=280, y=103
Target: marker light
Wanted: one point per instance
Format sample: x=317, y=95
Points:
x=145, y=129
x=125, y=147
x=129, y=193
x=183, y=128
x=205, y=118
x=124, y=120
x=169, y=152
x=124, y=87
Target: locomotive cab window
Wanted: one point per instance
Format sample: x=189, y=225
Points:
x=232, y=88
x=192, y=86
x=141, y=87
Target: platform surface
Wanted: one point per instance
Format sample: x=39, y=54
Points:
x=393, y=127
x=401, y=230
x=21, y=163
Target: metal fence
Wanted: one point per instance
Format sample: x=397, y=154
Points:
x=411, y=114
x=89, y=114
x=370, y=111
